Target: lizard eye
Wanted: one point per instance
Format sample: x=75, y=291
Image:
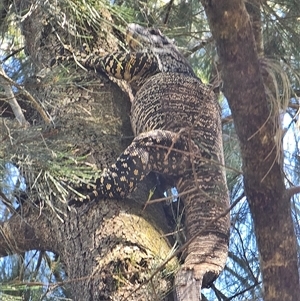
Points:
x=155, y=31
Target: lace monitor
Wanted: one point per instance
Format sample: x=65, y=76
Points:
x=177, y=124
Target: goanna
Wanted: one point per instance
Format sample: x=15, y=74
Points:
x=177, y=124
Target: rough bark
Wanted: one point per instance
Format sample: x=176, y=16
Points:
x=108, y=250
x=256, y=125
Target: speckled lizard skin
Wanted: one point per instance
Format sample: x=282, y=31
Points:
x=177, y=124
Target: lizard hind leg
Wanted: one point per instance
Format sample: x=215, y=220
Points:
x=160, y=151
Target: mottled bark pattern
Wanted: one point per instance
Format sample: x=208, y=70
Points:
x=256, y=124
x=176, y=120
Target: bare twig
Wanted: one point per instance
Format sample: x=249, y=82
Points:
x=12, y=54
x=244, y=290
x=227, y=120
x=187, y=153
x=169, y=6
x=11, y=99
x=292, y=191
x=18, y=112
x=150, y=202
x=7, y=202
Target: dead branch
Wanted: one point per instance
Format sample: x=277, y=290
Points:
x=13, y=102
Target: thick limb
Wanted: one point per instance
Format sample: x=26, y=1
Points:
x=160, y=151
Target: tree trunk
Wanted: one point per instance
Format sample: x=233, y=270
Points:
x=109, y=250
x=256, y=124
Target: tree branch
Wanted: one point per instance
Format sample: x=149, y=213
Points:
x=17, y=108
x=21, y=232
x=292, y=191
x=169, y=6
x=13, y=53
x=12, y=100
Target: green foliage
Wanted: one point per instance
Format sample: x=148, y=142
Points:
x=31, y=277
x=51, y=172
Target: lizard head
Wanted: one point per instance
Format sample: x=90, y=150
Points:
x=140, y=38
x=151, y=40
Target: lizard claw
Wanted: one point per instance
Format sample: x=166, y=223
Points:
x=77, y=202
